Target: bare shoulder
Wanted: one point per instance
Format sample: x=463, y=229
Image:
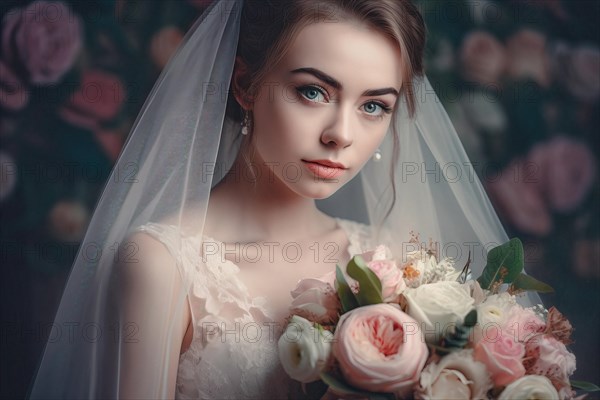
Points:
x=144, y=261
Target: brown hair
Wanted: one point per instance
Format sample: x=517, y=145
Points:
x=268, y=28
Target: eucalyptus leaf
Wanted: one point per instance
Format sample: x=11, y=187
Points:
x=370, y=285
x=344, y=292
x=587, y=386
x=527, y=282
x=504, y=264
x=459, y=338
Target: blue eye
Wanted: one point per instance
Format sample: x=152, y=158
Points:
x=372, y=107
x=312, y=93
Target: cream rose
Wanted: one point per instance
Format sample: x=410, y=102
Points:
x=530, y=387
x=304, y=349
x=379, y=348
x=455, y=376
x=438, y=307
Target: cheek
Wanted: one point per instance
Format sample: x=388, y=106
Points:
x=370, y=139
x=282, y=128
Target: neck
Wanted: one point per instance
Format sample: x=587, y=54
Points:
x=259, y=206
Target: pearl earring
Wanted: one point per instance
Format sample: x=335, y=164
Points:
x=246, y=122
x=377, y=155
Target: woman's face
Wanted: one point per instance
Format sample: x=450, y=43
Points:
x=330, y=98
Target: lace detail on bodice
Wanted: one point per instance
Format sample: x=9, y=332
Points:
x=233, y=353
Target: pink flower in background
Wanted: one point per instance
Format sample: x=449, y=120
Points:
x=13, y=94
x=45, y=37
x=68, y=220
x=527, y=57
x=502, y=357
x=587, y=258
x=99, y=99
x=547, y=356
x=200, y=4
x=164, y=43
x=316, y=300
x=568, y=170
x=111, y=142
x=483, y=58
x=577, y=69
x=380, y=348
x=517, y=195
x=8, y=177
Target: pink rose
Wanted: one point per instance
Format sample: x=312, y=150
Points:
x=45, y=38
x=568, y=171
x=483, y=58
x=522, y=324
x=547, y=356
x=14, y=95
x=316, y=300
x=527, y=57
x=503, y=359
x=164, y=43
x=517, y=195
x=99, y=98
x=380, y=349
x=392, y=278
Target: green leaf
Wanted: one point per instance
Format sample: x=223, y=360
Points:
x=504, y=264
x=583, y=385
x=342, y=387
x=344, y=292
x=370, y=285
x=527, y=282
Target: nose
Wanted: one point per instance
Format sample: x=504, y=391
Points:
x=339, y=131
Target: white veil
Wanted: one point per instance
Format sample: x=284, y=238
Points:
x=179, y=147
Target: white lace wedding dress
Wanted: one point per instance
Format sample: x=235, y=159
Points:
x=233, y=353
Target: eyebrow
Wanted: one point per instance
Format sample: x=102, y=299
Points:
x=337, y=85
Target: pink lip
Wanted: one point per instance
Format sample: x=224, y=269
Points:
x=327, y=163
x=321, y=170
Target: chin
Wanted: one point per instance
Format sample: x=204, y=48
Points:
x=318, y=190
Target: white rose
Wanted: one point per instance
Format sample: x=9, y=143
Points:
x=530, y=387
x=304, y=349
x=438, y=306
x=455, y=376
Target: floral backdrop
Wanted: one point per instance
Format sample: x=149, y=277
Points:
x=520, y=80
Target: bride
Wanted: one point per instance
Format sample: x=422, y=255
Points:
x=281, y=139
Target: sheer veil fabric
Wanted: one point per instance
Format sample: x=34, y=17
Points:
x=180, y=146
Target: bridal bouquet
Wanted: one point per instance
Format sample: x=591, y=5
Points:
x=418, y=328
